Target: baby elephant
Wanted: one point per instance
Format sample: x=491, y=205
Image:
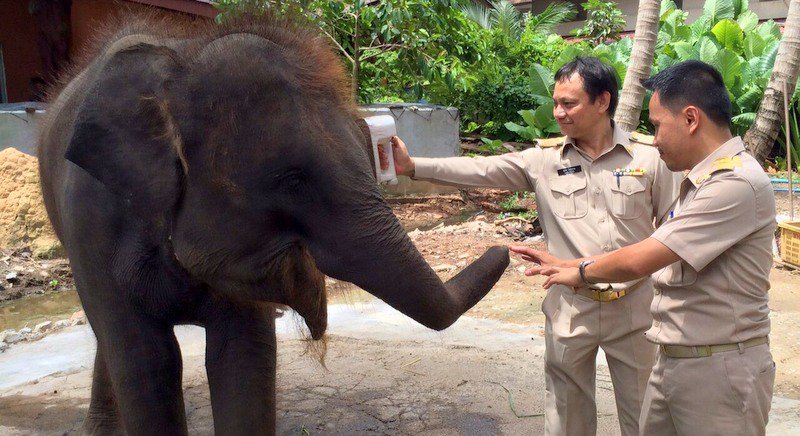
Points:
x=202, y=175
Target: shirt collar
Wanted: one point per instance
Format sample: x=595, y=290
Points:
x=728, y=149
x=619, y=138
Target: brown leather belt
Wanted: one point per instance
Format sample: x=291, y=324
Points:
x=687, y=351
x=601, y=296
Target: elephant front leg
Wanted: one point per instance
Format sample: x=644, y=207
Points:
x=144, y=365
x=240, y=361
x=103, y=417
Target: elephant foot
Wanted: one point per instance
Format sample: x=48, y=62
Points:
x=102, y=423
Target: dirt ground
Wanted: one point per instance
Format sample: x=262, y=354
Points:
x=482, y=376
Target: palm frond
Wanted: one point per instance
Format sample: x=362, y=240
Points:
x=478, y=13
x=506, y=19
x=553, y=15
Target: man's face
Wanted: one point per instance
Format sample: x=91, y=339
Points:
x=672, y=135
x=574, y=110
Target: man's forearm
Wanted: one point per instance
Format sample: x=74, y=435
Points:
x=630, y=263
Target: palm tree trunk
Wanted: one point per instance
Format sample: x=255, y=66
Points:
x=760, y=138
x=644, y=44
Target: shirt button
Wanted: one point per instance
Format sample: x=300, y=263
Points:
x=601, y=220
x=606, y=248
x=597, y=191
x=656, y=323
x=658, y=292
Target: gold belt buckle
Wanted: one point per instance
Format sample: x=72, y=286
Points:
x=607, y=296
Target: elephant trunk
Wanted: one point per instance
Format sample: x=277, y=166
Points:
x=384, y=262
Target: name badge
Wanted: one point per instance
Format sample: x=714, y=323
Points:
x=569, y=170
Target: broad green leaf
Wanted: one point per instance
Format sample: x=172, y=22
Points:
x=700, y=27
x=769, y=31
x=663, y=62
x=522, y=132
x=708, y=49
x=729, y=64
x=673, y=20
x=543, y=116
x=553, y=127
x=750, y=99
x=754, y=45
x=686, y=51
x=528, y=116
x=748, y=21
x=683, y=33
x=569, y=53
x=756, y=76
x=667, y=6
x=719, y=10
x=739, y=6
x=729, y=34
x=541, y=80
x=745, y=119
x=767, y=61
x=747, y=74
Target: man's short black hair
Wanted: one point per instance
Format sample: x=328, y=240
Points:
x=597, y=78
x=693, y=83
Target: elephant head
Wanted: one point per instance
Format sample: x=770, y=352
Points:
x=241, y=150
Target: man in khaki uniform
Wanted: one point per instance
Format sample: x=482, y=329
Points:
x=714, y=372
x=596, y=192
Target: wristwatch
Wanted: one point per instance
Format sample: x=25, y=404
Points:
x=582, y=270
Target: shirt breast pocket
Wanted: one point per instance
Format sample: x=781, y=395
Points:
x=628, y=200
x=570, y=198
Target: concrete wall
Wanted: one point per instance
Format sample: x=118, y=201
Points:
x=18, y=129
x=428, y=131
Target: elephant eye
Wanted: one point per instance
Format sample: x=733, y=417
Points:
x=295, y=184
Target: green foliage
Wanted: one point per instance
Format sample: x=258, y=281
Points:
x=406, y=49
x=604, y=22
x=493, y=146
x=553, y=15
x=496, y=65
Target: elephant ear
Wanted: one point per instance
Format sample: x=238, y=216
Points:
x=367, y=143
x=124, y=135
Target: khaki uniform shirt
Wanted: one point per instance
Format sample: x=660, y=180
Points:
x=723, y=228
x=582, y=209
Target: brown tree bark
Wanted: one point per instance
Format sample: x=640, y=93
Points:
x=760, y=138
x=644, y=43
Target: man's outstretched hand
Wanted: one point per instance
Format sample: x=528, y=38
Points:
x=542, y=258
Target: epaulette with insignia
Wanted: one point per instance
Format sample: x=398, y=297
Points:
x=641, y=138
x=550, y=142
x=721, y=164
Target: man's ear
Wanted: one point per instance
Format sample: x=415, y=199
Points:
x=691, y=116
x=604, y=101
x=124, y=135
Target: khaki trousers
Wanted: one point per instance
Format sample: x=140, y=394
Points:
x=575, y=326
x=728, y=394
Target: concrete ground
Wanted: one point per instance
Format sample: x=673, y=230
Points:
x=385, y=375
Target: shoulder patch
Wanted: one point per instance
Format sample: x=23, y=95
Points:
x=641, y=138
x=721, y=164
x=550, y=142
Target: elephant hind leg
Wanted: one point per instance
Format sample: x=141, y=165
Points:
x=103, y=416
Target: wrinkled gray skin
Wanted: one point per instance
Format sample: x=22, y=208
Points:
x=194, y=181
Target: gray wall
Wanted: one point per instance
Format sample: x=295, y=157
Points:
x=428, y=131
